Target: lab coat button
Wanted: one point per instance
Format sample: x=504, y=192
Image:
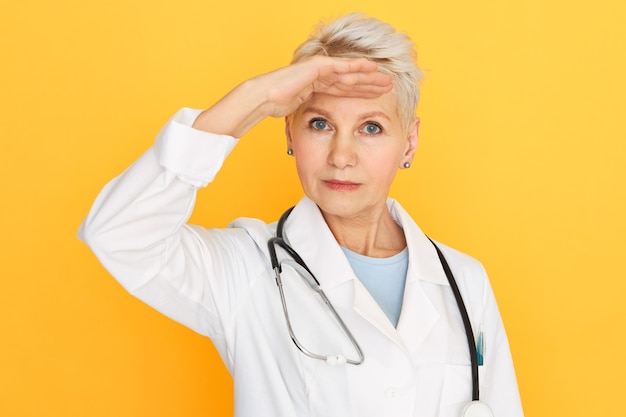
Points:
x=392, y=393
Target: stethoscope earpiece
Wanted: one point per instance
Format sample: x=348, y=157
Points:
x=477, y=409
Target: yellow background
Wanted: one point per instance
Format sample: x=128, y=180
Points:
x=521, y=164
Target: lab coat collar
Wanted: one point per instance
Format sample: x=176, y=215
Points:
x=310, y=236
x=424, y=263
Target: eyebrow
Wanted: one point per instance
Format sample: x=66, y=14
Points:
x=328, y=115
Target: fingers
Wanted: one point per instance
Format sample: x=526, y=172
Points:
x=351, y=77
x=367, y=85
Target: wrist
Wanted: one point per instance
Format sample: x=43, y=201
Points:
x=237, y=112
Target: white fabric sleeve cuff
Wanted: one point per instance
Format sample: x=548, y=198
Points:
x=193, y=155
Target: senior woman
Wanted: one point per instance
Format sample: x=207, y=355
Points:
x=389, y=339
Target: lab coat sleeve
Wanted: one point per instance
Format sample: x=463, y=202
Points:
x=137, y=227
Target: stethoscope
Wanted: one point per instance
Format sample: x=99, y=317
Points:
x=475, y=408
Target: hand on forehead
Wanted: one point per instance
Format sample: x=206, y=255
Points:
x=350, y=77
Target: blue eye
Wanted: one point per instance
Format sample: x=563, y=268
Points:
x=319, y=124
x=372, y=128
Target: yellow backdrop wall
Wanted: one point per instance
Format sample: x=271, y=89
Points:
x=521, y=164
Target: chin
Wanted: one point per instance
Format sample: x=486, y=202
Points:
x=345, y=208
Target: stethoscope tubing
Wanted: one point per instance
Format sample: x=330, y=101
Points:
x=469, y=333
x=279, y=241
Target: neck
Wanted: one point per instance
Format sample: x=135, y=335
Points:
x=376, y=235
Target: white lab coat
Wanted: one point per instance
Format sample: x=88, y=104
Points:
x=219, y=283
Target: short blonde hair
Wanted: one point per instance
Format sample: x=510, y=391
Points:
x=356, y=35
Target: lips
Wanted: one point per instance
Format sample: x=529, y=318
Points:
x=340, y=185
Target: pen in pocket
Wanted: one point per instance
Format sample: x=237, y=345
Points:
x=480, y=347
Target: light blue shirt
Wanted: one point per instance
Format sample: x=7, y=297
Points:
x=384, y=278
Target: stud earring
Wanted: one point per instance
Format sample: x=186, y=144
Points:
x=289, y=151
x=407, y=165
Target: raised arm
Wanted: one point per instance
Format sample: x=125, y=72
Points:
x=280, y=92
x=137, y=225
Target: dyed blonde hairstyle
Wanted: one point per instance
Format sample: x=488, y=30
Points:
x=357, y=36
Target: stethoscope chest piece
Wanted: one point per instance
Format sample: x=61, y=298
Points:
x=477, y=409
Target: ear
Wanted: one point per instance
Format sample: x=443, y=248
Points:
x=412, y=140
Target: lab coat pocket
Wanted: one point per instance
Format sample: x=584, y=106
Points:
x=328, y=391
x=482, y=377
x=456, y=389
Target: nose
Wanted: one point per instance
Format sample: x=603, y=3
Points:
x=342, y=152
